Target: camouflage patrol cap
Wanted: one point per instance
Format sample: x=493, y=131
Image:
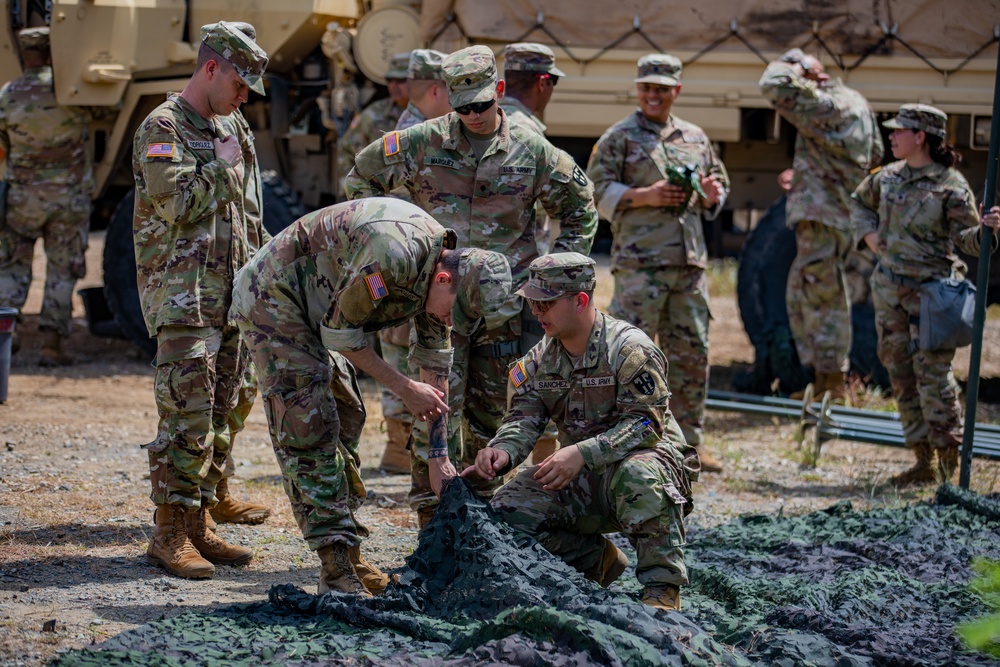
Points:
x=240, y=51
x=242, y=26
x=530, y=57
x=660, y=69
x=425, y=64
x=920, y=117
x=471, y=75
x=483, y=285
x=552, y=276
x=398, y=65
x=34, y=39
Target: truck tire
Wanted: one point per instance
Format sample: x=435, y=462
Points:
x=120, y=287
x=282, y=206
x=760, y=289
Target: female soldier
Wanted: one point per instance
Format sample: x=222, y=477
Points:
x=914, y=214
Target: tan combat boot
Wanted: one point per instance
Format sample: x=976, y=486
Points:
x=613, y=562
x=171, y=548
x=424, y=516
x=836, y=384
x=947, y=462
x=374, y=579
x=662, y=596
x=337, y=573
x=210, y=545
x=544, y=448
x=230, y=510
x=52, y=352
x=396, y=457
x=922, y=471
x=708, y=462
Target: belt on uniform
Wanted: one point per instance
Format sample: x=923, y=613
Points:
x=902, y=281
x=507, y=348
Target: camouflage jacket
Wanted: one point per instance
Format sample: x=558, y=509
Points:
x=45, y=143
x=838, y=143
x=252, y=206
x=189, y=236
x=921, y=216
x=636, y=152
x=349, y=269
x=374, y=120
x=411, y=116
x=490, y=205
x=610, y=403
x=519, y=115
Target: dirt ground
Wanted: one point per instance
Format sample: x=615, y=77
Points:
x=75, y=516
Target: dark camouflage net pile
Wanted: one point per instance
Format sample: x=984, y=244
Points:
x=837, y=587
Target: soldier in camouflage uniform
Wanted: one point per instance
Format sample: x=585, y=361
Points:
x=428, y=99
x=229, y=509
x=623, y=466
x=655, y=177
x=480, y=175
x=50, y=178
x=377, y=118
x=303, y=305
x=190, y=238
x=914, y=214
x=838, y=142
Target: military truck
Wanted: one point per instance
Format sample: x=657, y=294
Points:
x=328, y=58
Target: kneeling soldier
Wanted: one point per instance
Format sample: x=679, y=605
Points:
x=624, y=465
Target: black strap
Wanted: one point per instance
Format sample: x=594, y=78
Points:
x=506, y=348
x=902, y=281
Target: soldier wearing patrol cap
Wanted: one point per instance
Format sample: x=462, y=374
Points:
x=368, y=265
x=623, y=466
x=50, y=179
x=915, y=214
x=530, y=75
x=480, y=175
x=378, y=117
x=427, y=89
x=190, y=238
x=656, y=177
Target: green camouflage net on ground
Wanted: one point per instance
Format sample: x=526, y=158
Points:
x=838, y=587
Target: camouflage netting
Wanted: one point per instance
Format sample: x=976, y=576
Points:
x=837, y=587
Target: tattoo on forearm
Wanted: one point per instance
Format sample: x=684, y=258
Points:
x=438, y=429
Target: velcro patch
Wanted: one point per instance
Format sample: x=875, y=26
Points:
x=441, y=162
x=201, y=145
x=530, y=171
x=599, y=382
x=579, y=176
x=376, y=286
x=517, y=374
x=160, y=150
x=644, y=383
x=390, y=143
x=551, y=384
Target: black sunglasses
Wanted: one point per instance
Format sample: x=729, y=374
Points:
x=478, y=107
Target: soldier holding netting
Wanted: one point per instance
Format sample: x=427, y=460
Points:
x=623, y=466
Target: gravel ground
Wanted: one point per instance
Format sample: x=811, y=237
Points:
x=75, y=517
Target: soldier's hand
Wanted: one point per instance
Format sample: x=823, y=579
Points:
x=488, y=462
x=229, y=149
x=664, y=194
x=441, y=470
x=559, y=469
x=713, y=190
x=424, y=401
x=992, y=219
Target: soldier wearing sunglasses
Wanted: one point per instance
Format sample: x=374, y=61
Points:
x=481, y=175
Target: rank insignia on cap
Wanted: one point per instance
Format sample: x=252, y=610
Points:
x=376, y=286
x=390, y=143
x=517, y=374
x=160, y=150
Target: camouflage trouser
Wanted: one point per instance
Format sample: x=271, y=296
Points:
x=315, y=416
x=395, y=343
x=198, y=371
x=923, y=384
x=637, y=496
x=477, y=400
x=670, y=304
x=819, y=313
x=62, y=220
x=237, y=419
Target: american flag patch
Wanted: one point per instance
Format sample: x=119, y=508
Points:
x=160, y=150
x=390, y=143
x=376, y=286
x=517, y=374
